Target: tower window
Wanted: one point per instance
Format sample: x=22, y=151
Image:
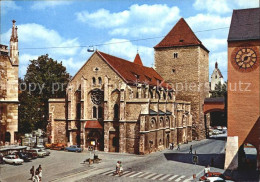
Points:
x=175, y=55
x=94, y=112
x=99, y=80
x=173, y=70
x=94, y=81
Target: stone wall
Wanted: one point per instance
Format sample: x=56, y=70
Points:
x=188, y=74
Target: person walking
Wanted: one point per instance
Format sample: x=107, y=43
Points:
x=190, y=152
x=120, y=169
x=206, y=170
x=170, y=146
x=40, y=172
x=178, y=148
x=32, y=172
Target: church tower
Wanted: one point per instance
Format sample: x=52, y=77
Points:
x=183, y=61
x=14, y=54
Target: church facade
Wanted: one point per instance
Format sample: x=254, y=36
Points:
x=216, y=78
x=9, y=63
x=119, y=106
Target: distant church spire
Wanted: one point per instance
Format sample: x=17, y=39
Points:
x=14, y=45
x=216, y=65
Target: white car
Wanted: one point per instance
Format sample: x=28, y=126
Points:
x=216, y=179
x=12, y=159
x=40, y=152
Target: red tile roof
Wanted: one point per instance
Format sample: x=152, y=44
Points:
x=180, y=35
x=93, y=124
x=138, y=60
x=133, y=73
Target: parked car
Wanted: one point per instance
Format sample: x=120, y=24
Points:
x=12, y=159
x=48, y=145
x=33, y=154
x=73, y=148
x=23, y=156
x=58, y=146
x=47, y=152
x=211, y=176
x=39, y=152
x=40, y=147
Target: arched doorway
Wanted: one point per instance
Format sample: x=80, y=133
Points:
x=167, y=140
x=247, y=157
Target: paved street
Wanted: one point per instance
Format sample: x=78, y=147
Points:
x=167, y=165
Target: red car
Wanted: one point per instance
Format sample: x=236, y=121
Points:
x=214, y=174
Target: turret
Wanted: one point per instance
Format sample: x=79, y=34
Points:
x=14, y=54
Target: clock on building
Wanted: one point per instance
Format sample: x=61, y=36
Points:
x=245, y=59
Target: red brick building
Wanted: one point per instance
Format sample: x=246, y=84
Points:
x=243, y=85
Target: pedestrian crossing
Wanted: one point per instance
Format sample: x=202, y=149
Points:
x=150, y=176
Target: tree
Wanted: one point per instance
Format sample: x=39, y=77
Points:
x=45, y=78
x=220, y=90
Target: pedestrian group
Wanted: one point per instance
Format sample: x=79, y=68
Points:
x=36, y=176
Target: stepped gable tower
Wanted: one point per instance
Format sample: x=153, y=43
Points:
x=183, y=61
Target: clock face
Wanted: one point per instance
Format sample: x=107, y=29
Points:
x=245, y=59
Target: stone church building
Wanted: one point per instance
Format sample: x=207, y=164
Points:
x=216, y=77
x=122, y=106
x=9, y=63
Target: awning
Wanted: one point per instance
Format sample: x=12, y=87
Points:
x=93, y=125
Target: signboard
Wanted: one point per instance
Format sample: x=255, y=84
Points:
x=90, y=148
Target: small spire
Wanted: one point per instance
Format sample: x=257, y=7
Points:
x=216, y=65
x=138, y=59
x=14, y=36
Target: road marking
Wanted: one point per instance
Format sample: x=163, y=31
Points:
x=108, y=172
x=188, y=180
x=155, y=177
x=128, y=174
x=181, y=177
x=166, y=176
x=143, y=174
x=174, y=176
x=135, y=174
x=150, y=175
x=125, y=173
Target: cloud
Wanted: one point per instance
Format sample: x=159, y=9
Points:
x=212, y=6
x=209, y=22
x=8, y=6
x=37, y=36
x=127, y=50
x=137, y=20
x=214, y=44
x=72, y=64
x=224, y=6
x=42, y=5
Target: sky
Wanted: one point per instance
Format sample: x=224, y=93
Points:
x=66, y=29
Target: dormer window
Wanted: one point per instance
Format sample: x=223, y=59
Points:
x=181, y=40
x=175, y=55
x=136, y=75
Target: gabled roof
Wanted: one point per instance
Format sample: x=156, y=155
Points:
x=138, y=60
x=245, y=25
x=133, y=73
x=180, y=35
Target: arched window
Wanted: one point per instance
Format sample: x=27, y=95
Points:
x=99, y=80
x=158, y=95
x=170, y=95
x=164, y=95
x=100, y=112
x=116, y=111
x=152, y=122
x=137, y=94
x=94, y=112
x=94, y=81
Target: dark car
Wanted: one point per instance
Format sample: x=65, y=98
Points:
x=23, y=156
x=31, y=154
